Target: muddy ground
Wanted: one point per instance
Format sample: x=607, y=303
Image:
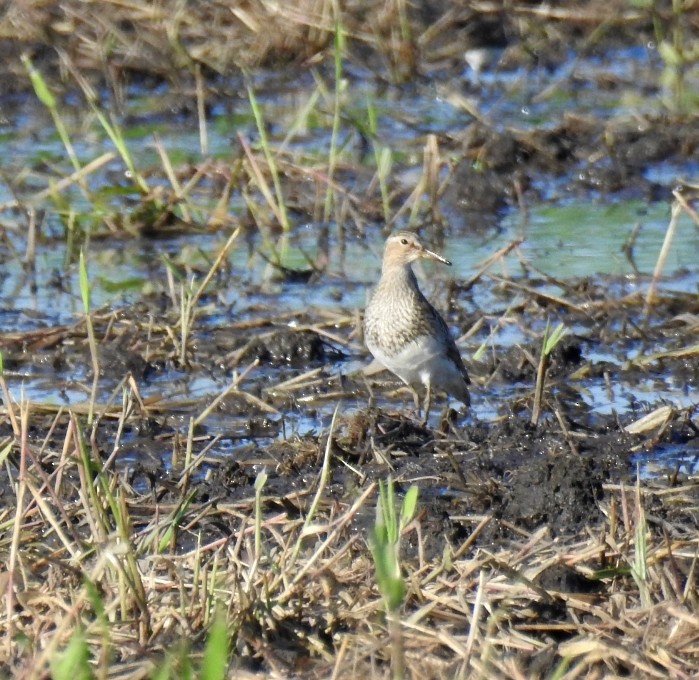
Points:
x=524, y=474
x=620, y=387
x=483, y=484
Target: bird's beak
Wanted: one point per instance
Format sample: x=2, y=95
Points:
x=433, y=256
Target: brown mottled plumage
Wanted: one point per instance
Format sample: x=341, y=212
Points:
x=405, y=332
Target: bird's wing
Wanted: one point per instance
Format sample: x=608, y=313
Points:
x=452, y=350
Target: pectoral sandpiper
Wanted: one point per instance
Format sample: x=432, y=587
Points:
x=405, y=332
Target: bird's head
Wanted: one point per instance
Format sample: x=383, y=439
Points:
x=403, y=247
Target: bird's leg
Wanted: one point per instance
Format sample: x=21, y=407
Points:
x=416, y=400
x=428, y=403
x=444, y=414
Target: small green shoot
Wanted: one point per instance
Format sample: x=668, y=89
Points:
x=383, y=157
x=639, y=565
x=478, y=354
x=108, y=516
x=280, y=206
x=385, y=549
x=554, y=338
x=85, y=295
x=340, y=85
x=186, y=318
x=174, y=521
x=190, y=293
x=178, y=664
x=84, y=283
x=73, y=663
x=215, y=661
x=548, y=344
x=385, y=541
x=114, y=133
x=560, y=670
x=46, y=97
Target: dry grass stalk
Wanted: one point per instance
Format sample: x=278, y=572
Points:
x=474, y=614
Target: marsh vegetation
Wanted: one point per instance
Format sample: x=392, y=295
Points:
x=199, y=476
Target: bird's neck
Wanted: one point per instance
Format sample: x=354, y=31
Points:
x=397, y=272
x=396, y=280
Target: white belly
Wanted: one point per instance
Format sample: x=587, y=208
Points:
x=423, y=362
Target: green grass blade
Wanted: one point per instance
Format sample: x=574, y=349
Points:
x=271, y=163
x=74, y=662
x=84, y=283
x=114, y=133
x=41, y=89
x=215, y=661
x=552, y=339
x=409, y=506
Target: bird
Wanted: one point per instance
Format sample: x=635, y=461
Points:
x=405, y=333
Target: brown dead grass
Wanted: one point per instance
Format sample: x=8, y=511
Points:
x=83, y=548
x=112, y=40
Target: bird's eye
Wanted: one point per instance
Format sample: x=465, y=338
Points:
x=404, y=241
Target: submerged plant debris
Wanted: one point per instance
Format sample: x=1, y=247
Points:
x=215, y=454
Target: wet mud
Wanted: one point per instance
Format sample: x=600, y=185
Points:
x=523, y=474
x=581, y=157
x=483, y=483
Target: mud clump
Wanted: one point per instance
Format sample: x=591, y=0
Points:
x=293, y=348
x=510, y=165
x=561, y=491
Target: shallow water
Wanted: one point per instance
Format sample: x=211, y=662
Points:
x=563, y=235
